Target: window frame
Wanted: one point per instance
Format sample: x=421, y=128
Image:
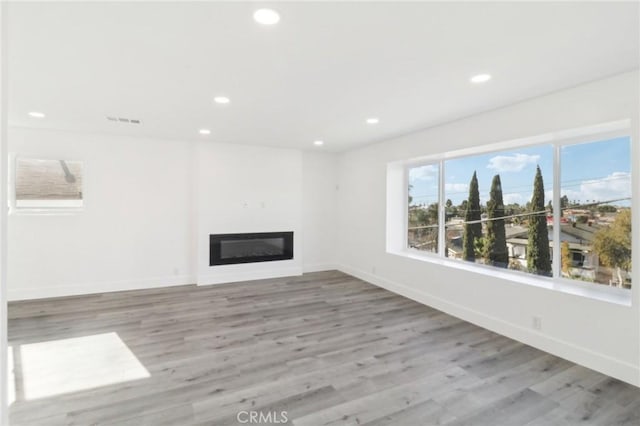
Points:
x=557, y=140
x=439, y=253
x=14, y=209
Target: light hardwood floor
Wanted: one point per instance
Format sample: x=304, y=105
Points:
x=327, y=348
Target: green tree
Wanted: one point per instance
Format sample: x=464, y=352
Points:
x=472, y=231
x=496, y=252
x=613, y=244
x=422, y=217
x=432, y=213
x=607, y=208
x=566, y=258
x=450, y=209
x=538, y=256
x=514, y=209
x=478, y=247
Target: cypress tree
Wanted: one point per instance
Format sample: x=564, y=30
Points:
x=538, y=256
x=472, y=213
x=496, y=248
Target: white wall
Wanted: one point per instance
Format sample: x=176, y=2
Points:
x=319, y=197
x=4, y=397
x=598, y=334
x=150, y=206
x=133, y=231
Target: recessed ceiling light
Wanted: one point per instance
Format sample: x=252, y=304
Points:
x=205, y=131
x=318, y=143
x=373, y=120
x=266, y=16
x=36, y=114
x=480, y=78
x=221, y=100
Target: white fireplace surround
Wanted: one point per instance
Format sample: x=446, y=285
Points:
x=256, y=189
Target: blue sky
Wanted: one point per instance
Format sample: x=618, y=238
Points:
x=597, y=171
x=592, y=171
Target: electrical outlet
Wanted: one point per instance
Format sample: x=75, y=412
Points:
x=536, y=323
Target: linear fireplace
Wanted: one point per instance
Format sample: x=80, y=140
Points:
x=225, y=249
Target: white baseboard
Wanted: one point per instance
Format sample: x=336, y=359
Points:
x=605, y=364
x=318, y=267
x=223, y=277
x=29, y=293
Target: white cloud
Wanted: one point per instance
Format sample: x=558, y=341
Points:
x=548, y=196
x=511, y=163
x=513, y=198
x=429, y=172
x=456, y=187
x=613, y=187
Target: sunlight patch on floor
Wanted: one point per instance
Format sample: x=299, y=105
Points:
x=81, y=363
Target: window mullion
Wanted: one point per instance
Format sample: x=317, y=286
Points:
x=557, y=212
x=405, y=185
x=441, y=211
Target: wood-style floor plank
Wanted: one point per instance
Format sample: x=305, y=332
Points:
x=326, y=348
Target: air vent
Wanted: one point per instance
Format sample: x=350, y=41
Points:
x=123, y=120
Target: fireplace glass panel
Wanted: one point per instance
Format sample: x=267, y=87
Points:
x=249, y=248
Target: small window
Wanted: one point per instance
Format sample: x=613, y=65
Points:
x=423, y=208
x=48, y=184
x=595, y=223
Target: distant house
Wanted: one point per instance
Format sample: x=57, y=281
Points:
x=584, y=261
x=563, y=221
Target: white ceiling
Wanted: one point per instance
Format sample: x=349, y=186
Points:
x=318, y=74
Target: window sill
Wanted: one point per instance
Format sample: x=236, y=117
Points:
x=45, y=211
x=618, y=296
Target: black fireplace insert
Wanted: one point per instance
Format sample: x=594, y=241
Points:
x=226, y=249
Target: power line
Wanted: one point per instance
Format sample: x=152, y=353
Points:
x=536, y=213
